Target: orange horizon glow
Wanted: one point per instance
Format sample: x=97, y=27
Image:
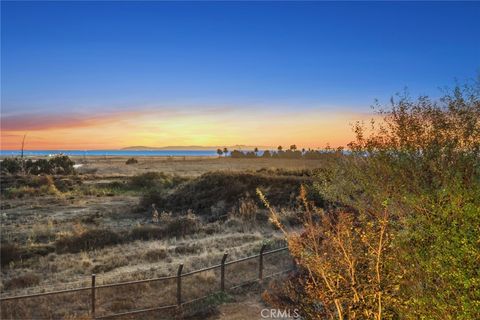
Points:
x=155, y=128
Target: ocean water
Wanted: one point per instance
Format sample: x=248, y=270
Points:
x=103, y=153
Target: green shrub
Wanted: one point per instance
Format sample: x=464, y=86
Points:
x=443, y=246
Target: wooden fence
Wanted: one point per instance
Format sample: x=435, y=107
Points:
x=165, y=296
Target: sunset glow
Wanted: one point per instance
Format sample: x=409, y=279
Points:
x=159, y=128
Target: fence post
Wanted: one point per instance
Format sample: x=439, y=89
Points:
x=93, y=295
x=260, y=264
x=179, y=286
x=222, y=274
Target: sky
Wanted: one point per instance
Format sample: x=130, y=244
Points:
x=107, y=75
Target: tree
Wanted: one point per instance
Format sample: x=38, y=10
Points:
x=219, y=152
x=293, y=147
x=279, y=148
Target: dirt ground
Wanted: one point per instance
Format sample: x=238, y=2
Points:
x=250, y=308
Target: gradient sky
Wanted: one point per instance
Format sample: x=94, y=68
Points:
x=96, y=75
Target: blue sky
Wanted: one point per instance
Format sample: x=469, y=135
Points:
x=100, y=57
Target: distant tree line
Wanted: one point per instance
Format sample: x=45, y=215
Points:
x=292, y=153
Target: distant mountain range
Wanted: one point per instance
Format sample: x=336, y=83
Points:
x=230, y=148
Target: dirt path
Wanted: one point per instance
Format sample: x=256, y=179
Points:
x=249, y=309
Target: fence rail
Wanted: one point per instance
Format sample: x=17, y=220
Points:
x=172, y=287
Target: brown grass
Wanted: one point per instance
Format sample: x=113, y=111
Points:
x=87, y=240
x=22, y=281
x=191, y=166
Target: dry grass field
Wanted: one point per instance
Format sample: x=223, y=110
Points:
x=186, y=166
x=58, y=230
